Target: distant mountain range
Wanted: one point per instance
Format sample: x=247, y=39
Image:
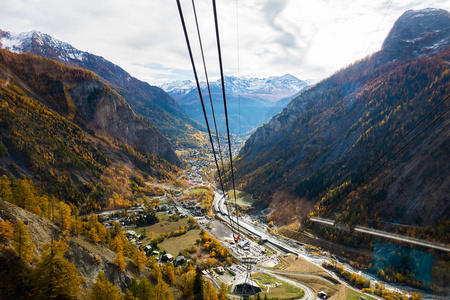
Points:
x=305, y=156
x=149, y=101
x=251, y=101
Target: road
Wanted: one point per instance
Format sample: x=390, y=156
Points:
x=392, y=236
x=309, y=293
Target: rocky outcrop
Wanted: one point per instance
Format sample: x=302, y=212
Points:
x=107, y=112
x=83, y=98
x=417, y=33
x=89, y=258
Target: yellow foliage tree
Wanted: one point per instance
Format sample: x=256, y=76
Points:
x=103, y=289
x=169, y=273
x=5, y=188
x=63, y=215
x=209, y=292
x=6, y=230
x=140, y=259
x=93, y=236
x=119, y=261
x=22, y=242
x=223, y=292
x=54, y=276
x=187, y=282
x=117, y=244
x=156, y=273
x=162, y=291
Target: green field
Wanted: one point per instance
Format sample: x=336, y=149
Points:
x=354, y=295
x=194, y=191
x=284, y=291
x=243, y=198
x=173, y=245
x=164, y=226
x=181, y=152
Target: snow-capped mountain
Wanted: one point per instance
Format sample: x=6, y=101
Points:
x=272, y=89
x=251, y=101
x=25, y=42
x=153, y=103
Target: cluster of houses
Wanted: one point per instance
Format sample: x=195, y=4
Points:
x=179, y=260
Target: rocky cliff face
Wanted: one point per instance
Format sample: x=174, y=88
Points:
x=109, y=114
x=418, y=33
x=83, y=98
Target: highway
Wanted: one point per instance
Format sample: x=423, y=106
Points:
x=388, y=235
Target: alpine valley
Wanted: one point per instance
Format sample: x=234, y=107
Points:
x=109, y=188
x=251, y=101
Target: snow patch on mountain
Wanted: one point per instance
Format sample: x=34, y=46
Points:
x=281, y=86
x=24, y=42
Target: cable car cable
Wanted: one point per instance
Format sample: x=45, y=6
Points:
x=212, y=110
x=386, y=152
x=180, y=11
x=226, y=112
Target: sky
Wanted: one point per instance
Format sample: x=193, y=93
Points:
x=310, y=39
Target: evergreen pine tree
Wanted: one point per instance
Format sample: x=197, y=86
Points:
x=198, y=285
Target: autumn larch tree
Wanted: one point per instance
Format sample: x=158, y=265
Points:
x=209, y=292
x=5, y=188
x=140, y=258
x=6, y=230
x=223, y=292
x=162, y=291
x=169, y=273
x=54, y=276
x=142, y=290
x=103, y=289
x=22, y=242
x=119, y=261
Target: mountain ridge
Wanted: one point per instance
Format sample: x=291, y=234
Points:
x=331, y=132
x=149, y=101
x=250, y=101
x=63, y=127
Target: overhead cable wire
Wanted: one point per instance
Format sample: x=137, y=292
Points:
x=387, y=151
x=339, y=195
x=212, y=108
x=180, y=11
x=404, y=136
x=225, y=108
x=379, y=25
x=238, y=64
x=367, y=192
x=207, y=84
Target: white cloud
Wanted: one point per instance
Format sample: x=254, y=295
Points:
x=309, y=39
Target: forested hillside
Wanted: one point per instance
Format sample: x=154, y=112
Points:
x=153, y=103
x=67, y=130
x=304, y=159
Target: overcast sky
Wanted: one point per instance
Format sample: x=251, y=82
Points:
x=310, y=39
